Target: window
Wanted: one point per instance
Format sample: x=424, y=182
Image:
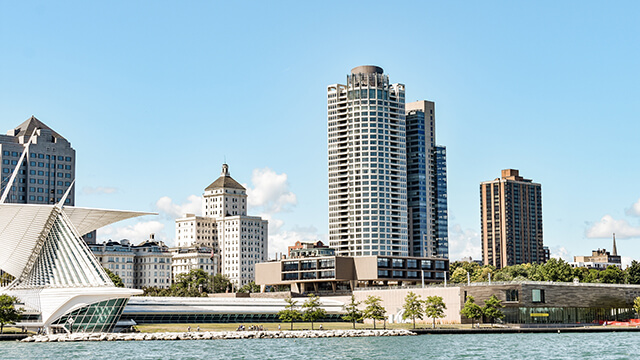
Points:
x=537, y=296
x=512, y=295
x=398, y=263
x=382, y=262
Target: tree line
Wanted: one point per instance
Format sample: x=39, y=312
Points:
x=556, y=270
x=197, y=283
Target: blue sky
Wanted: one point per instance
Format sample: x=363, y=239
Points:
x=155, y=96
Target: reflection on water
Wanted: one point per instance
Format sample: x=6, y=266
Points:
x=490, y=346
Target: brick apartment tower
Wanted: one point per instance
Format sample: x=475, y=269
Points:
x=511, y=220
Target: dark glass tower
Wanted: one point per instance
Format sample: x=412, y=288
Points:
x=426, y=183
x=442, y=216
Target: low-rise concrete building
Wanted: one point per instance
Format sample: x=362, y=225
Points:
x=307, y=249
x=343, y=274
x=185, y=259
x=600, y=259
x=529, y=303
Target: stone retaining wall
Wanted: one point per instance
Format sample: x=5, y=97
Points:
x=214, y=335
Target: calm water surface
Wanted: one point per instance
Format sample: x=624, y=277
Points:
x=490, y=346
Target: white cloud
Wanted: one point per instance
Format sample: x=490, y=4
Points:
x=173, y=211
x=279, y=241
x=280, y=238
x=88, y=190
x=626, y=261
x=270, y=192
x=607, y=226
x=135, y=233
x=634, y=210
x=463, y=243
x=560, y=252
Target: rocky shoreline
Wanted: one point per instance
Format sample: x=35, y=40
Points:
x=215, y=335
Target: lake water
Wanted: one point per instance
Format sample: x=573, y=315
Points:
x=489, y=346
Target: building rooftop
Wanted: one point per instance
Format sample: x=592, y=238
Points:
x=27, y=127
x=225, y=181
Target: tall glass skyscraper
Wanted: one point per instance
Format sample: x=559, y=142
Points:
x=426, y=183
x=367, y=165
x=387, y=179
x=442, y=214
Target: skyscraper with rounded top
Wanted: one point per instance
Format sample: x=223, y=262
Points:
x=367, y=165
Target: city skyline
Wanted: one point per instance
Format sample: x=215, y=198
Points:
x=153, y=99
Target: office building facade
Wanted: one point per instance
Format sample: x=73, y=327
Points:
x=46, y=172
x=511, y=220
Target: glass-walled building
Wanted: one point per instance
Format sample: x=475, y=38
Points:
x=441, y=212
x=557, y=303
x=426, y=183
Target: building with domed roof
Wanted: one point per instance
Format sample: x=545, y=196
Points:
x=237, y=241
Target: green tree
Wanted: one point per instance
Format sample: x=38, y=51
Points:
x=492, y=308
x=580, y=273
x=155, y=291
x=612, y=275
x=195, y=283
x=636, y=306
x=632, y=273
x=556, y=270
x=434, y=308
x=458, y=276
x=471, y=310
x=481, y=274
x=374, y=310
x=9, y=314
x=290, y=313
x=312, y=310
x=468, y=266
x=115, y=279
x=251, y=287
x=521, y=272
x=352, y=313
x=412, y=308
x=221, y=284
x=593, y=276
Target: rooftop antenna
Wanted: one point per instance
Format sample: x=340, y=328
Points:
x=17, y=169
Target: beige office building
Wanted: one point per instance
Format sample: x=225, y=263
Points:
x=238, y=241
x=511, y=220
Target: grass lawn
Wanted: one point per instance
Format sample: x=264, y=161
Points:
x=150, y=328
x=13, y=330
